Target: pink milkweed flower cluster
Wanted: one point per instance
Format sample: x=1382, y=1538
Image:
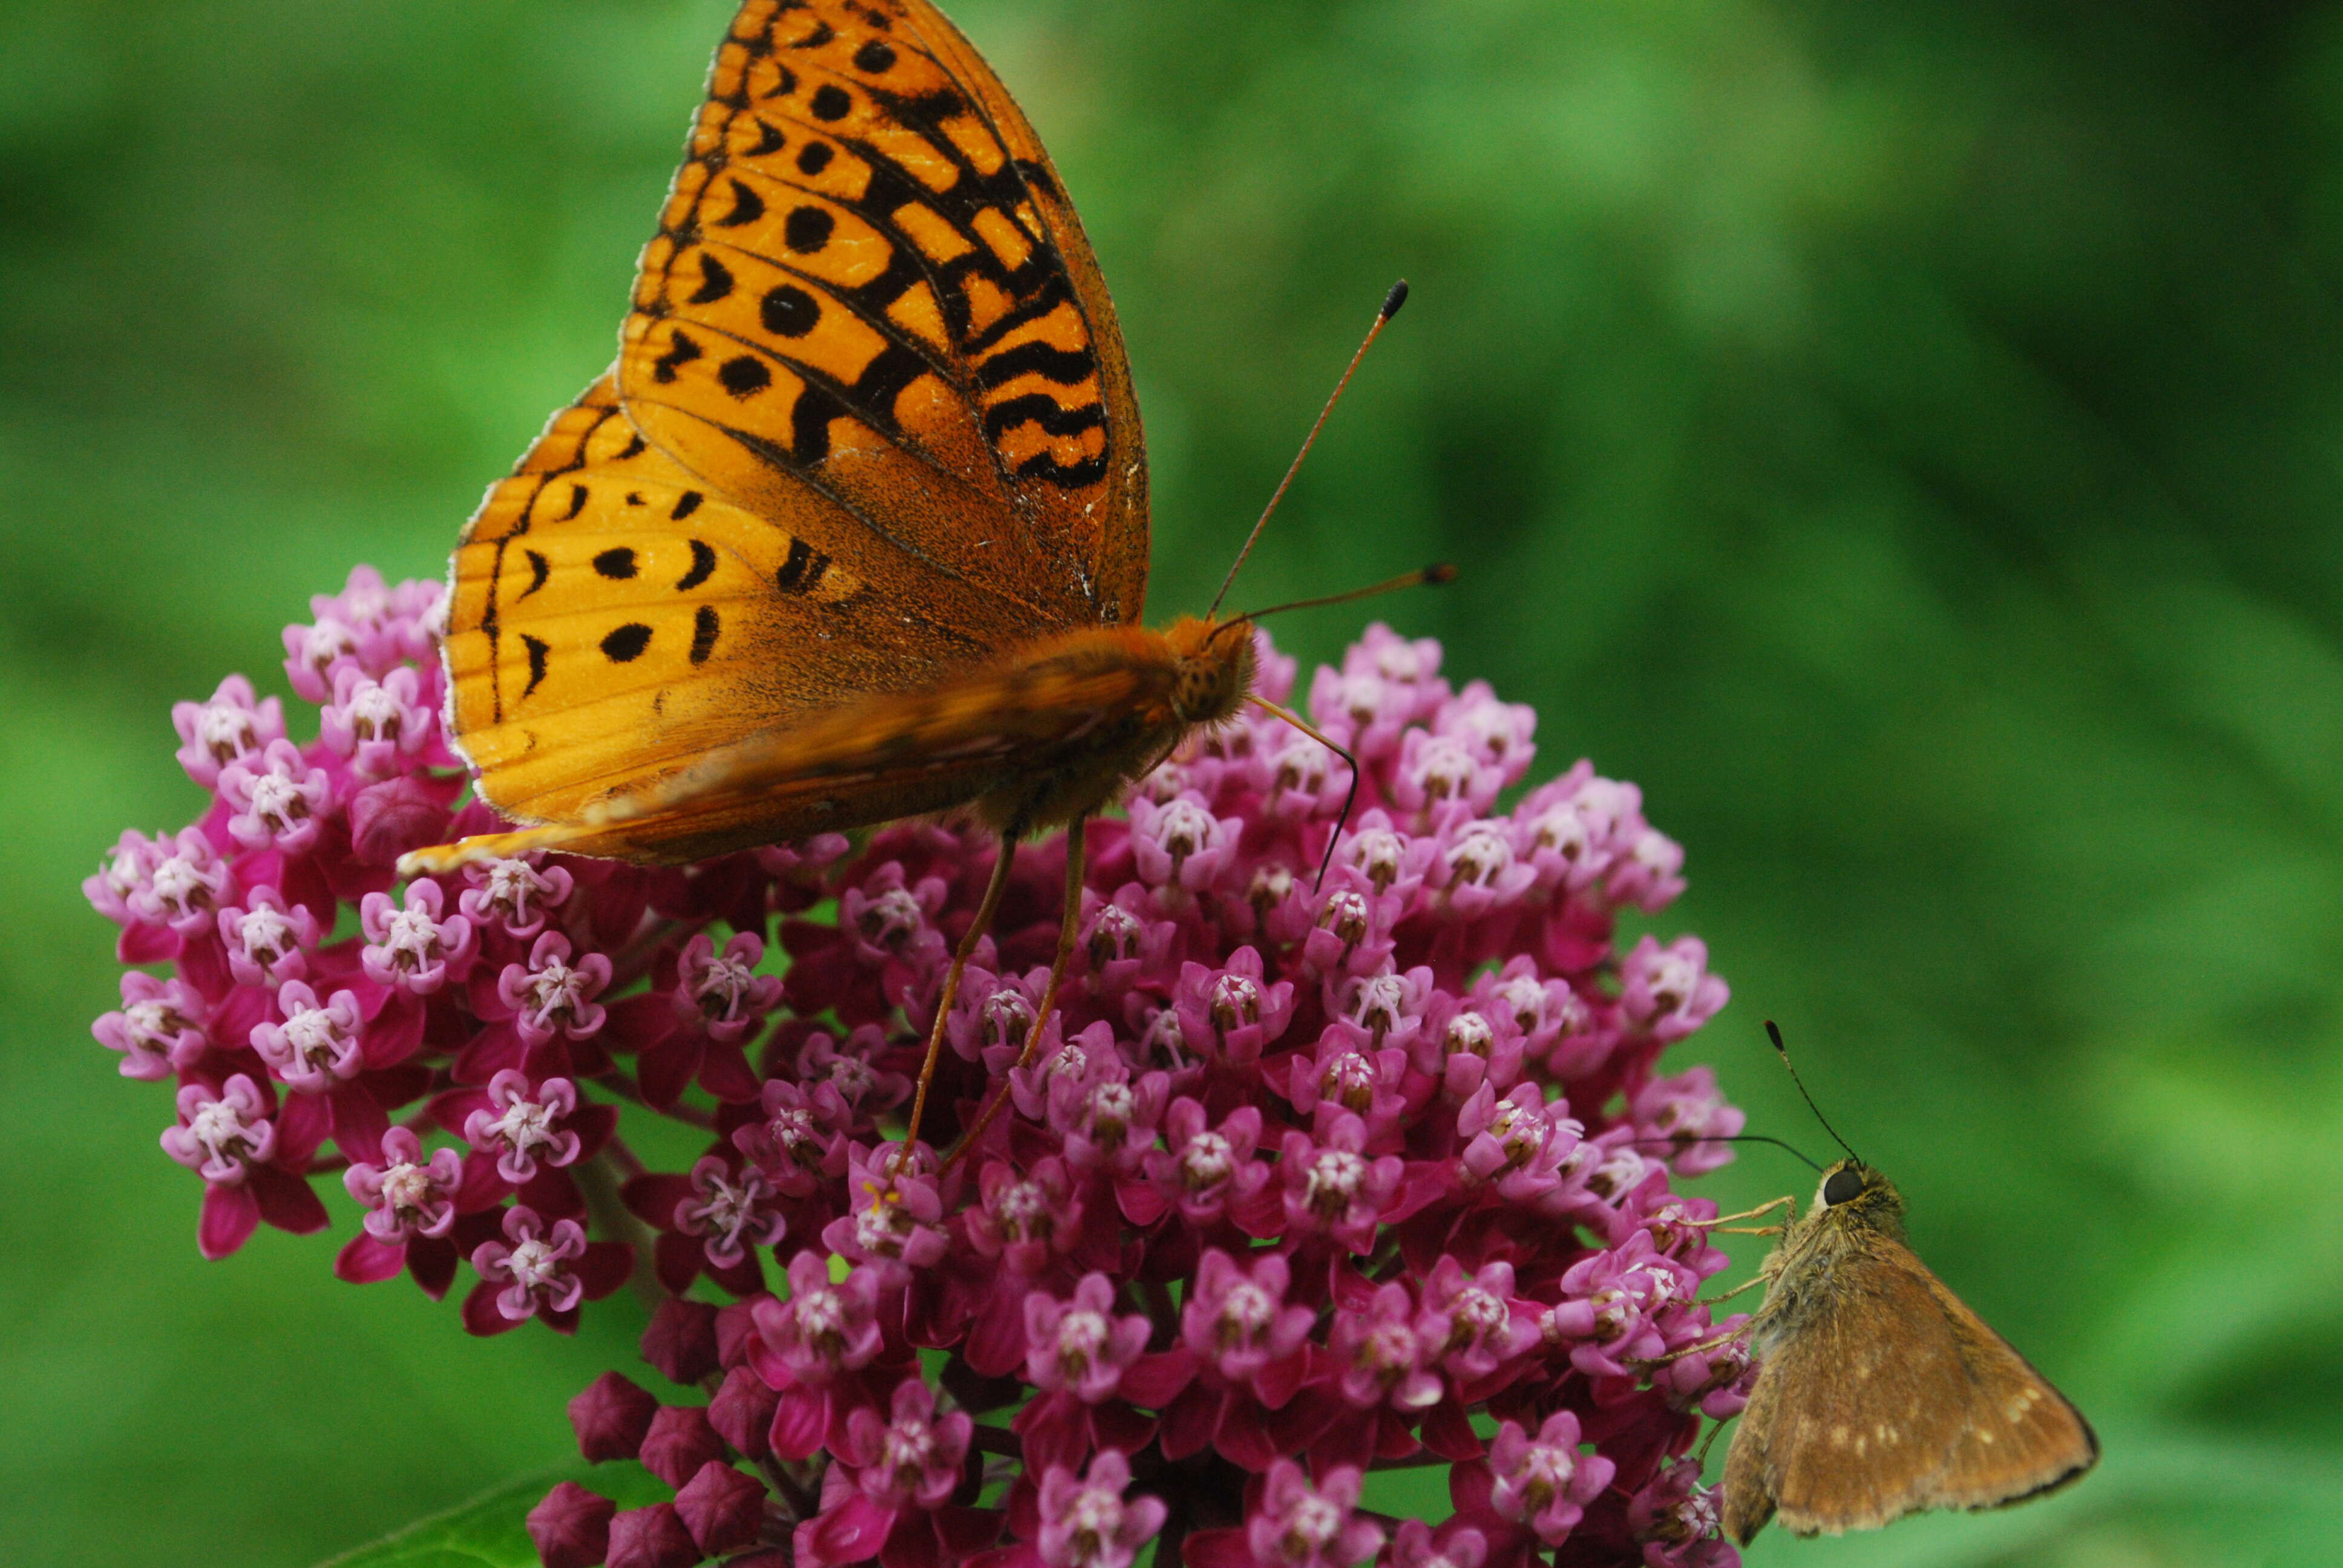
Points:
x=1305, y=1179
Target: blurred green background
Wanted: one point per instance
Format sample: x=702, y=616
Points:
x=1908, y=439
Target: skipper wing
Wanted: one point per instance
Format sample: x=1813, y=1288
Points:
x=1888, y=1396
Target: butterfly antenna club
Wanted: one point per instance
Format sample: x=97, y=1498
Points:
x=1774, y=1034
x=1391, y=302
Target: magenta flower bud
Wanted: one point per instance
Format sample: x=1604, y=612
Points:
x=407, y=1196
x=723, y=1509
x=408, y=946
x=653, y=1537
x=679, y=1442
x=571, y=1528
x=232, y=726
x=277, y=800
x=550, y=996
x=611, y=1415
x=159, y=1029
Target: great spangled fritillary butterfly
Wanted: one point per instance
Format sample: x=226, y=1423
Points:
x=856, y=528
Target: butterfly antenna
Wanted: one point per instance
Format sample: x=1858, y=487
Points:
x=1775, y=1034
x=1438, y=572
x=1796, y=1151
x=1391, y=302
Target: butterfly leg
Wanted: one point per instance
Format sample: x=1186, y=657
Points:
x=1077, y=868
x=1745, y=1214
x=950, y=993
x=1697, y=1347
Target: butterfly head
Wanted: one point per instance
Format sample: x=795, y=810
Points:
x=1854, y=1193
x=1215, y=666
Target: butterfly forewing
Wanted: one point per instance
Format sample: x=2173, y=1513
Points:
x=867, y=282
x=1886, y=1395
x=612, y=618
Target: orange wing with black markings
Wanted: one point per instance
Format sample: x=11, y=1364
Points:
x=872, y=429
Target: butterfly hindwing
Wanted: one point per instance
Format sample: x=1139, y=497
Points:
x=867, y=282
x=1890, y=1397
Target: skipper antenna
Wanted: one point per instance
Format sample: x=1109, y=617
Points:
x=1775, y=1034
x=1680, y=1143
x=1391, y=302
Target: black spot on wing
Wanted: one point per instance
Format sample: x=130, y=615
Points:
x=1067, y=367
x=686, y=504
x=626, y=644
x=538, y=569
x=704, y=626
x=814, y=157
x=1040, y=408
x=681, y=352
x=577, y=502
x=703, y=566
x=802, y=572
x=747, y=207
x=616, y=563
x=831, y=101
x=789, y=311
x=769, y=141
x=744, y=375
x=874, y=57
x=807, y=229
x=537, y=650
x=715, y=281
x=809, y=419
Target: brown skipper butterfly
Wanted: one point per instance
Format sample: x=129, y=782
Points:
x=1880, y=1393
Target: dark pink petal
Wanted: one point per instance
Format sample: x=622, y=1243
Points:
x=1155, y=1380
x=1216, y=1549
x=850, y=1532
x=362, y=1260
x=287, y=1201
x=605, y=1266
x=481, y=1314
x=230, y=1215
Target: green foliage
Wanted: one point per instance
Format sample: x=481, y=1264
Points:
x=1903, y=439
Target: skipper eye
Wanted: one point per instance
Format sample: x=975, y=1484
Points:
x=1843, y=1186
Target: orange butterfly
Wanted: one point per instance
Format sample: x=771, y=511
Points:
x=856, y=528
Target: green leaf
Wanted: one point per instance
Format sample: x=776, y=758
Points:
x=492, y=1531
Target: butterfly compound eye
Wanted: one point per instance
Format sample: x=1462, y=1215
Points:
x=1843, y=1186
